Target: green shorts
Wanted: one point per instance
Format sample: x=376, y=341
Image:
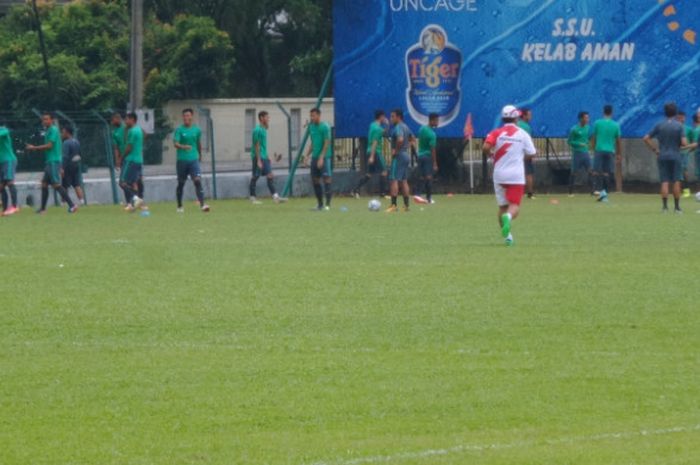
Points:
x=52, y=173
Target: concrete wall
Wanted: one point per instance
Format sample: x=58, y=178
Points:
x=229, y=120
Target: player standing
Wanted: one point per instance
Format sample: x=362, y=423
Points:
x=606, y=143
x=72, y=173
x=695, y=138
x=8, y=166
x=401, y=140
x=261, y=161
x=685, y=155
x=524, y=124
x=510, y=146
x=188, y=142
x=427, y=154
x=579, y=139
x=321, y=153
x=670, y=135
x=375, y=154
x=132, y=164
x=52, y=171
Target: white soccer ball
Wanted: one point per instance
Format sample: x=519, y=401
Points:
x=697, y=196
x=374, y=205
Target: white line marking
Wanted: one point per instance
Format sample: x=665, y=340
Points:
x=424, y=454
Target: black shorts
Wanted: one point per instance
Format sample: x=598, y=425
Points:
x=188, y=168
x=72, y=175
x=425, y=164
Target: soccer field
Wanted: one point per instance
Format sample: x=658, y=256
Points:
x=274, y=335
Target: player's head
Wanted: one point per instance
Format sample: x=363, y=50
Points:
x=379, y=115
x=584, y=118
x=526, y=114
x=670, y=110
x=680, y=116
x=433, y=120
x=264, y=118
x=131, y=119
x=696, y=119
x=608, y=110
x=510, y=114
x=66, y=132
x=116, y=119
x=396, y=116
x=187, y=115
x=315, y=115
x=46, y=119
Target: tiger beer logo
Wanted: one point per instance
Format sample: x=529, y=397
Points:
x=433, y=67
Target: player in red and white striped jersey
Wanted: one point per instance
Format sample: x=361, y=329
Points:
x=509, y=146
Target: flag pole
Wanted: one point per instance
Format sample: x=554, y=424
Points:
x=471, y=165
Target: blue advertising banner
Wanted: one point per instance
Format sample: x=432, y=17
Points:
x=557, y=57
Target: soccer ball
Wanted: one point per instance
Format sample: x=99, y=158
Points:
x=697, y=196
x=374, y=205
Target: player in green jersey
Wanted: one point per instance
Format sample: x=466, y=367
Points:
x=119, y=134
x=524, y=124
x=374, y=161
x=188, y=142
x=606, y=141
x=427, y=156
x=262, y=165
x=685, y=155
x=8, y=166
x=132, y=164
x=579, y=140
x=321, y=154
x=53, y=153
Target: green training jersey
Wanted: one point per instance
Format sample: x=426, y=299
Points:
x=7, y=153
x=55, y=153
x=427, y=141
x=119, y=139
x=525, y=126
x=320, y=133
x=579, y=137
x=259, y=137
x=606, y=132
x=688, y=136
x=135, y=140
x=376, y=134
x=694, y=138
x=188, y=136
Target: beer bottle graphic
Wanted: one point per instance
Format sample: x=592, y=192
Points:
x=433, y=69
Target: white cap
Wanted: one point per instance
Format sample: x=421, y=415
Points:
x=509, y=111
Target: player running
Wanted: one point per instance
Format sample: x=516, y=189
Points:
x=8, y=166
x=685, y=155
x=524, y=124
x=132, y=164
x=261, y=161
x=321, y=153
x=670, y=135
x=52, y=171
x=427, y=155
x=401, y=140
x=72, y=172
x=607, y=145
x=188, y=142
x=510, y=146
x=375, y=154
x=579, y=140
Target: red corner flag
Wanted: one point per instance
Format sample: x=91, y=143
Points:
x=468, y=128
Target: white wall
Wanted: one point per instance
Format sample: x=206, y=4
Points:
x=228, y=116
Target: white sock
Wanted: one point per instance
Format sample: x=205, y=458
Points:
x=510, y=217
x=510, y=237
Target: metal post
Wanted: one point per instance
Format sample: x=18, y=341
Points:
x=206, y=113
x=302, y=145
x=44, y=53
x=136, y=56
x=289, y=140
x=110, y=157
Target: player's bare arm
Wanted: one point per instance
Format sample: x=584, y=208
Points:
x=650, y=144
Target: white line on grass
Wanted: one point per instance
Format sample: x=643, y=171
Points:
x=428, y=453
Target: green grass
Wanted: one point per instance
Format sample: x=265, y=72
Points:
x=274, y=335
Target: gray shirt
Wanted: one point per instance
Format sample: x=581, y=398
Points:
x=71, y=151
x=401, y=130
x=670, y=135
